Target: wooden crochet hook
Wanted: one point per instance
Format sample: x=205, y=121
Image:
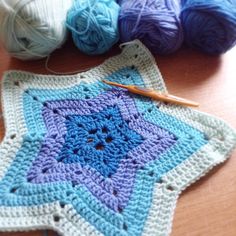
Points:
x=156, y=95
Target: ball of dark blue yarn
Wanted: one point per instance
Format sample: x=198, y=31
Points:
x=209, y=25
x=94, y=25
x=154, y=22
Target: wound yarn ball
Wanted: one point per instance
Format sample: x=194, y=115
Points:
x=154, y=22
x=32, y=29
x=209, y=26
x=94, y=25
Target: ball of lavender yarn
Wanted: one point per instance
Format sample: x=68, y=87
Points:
x=209, y=26
x=154, y=22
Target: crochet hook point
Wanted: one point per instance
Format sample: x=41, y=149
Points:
x=115, y=84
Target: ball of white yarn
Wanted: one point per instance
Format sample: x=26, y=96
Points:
x=32, y=29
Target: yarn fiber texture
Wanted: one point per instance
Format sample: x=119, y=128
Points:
x=32, y=29
x=84, y=158
x=209, y=26
x=155, y=22
x=94, y=25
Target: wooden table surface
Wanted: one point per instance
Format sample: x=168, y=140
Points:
x=208, y=207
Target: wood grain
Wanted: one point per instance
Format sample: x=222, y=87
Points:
x=208, y=207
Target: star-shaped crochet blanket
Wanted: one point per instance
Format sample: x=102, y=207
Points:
x=84, y=158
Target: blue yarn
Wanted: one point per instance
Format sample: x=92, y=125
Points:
x=209, y=26
x=94, y=25
x=154, y=22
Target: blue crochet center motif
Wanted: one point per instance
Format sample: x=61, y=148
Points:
x=99, y=140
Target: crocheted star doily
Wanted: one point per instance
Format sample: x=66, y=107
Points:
x=85, y=158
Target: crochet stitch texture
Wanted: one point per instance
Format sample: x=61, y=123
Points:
x=84, y=158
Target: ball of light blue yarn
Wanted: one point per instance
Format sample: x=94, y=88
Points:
x=94, y=25
x=32, y=29
x=209, y=26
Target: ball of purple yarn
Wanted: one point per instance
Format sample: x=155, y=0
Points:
x=209, y=25
x=154, y=22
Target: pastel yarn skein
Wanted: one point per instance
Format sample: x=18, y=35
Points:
x=32, y=29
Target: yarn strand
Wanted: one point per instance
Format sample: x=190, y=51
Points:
x=46, y=65
x=139, y=16
x=88, y=22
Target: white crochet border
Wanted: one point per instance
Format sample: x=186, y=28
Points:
x=159, y=221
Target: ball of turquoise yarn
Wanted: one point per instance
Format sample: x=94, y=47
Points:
x=94, y=25
x=32, y=29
